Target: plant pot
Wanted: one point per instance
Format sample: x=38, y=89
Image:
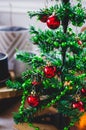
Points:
x=4, y=72
x=12, y=38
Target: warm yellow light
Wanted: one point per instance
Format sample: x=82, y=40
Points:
x=82, y=123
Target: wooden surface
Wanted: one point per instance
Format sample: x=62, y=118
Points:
x=6, y=92
x=42, y=126
x=81, y=125
x=25, y=126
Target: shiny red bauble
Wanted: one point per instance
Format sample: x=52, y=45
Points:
x=53, y=22
x=79, y=42
x=50, y=71
x=35, y=83
x=83, y=90
x=33, y=100
x=43, y=18
x=79, y=105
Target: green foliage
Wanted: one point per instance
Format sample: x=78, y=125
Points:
x=76, y=14
x=24, y=56
x=14, y=85
x=53, y=57
x=48, y=40
x=18, y=118
x=83, y=37
x=25, y=116
x=44, y=11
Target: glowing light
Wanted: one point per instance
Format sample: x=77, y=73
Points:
x=81, y=125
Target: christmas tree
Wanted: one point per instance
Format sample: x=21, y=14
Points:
x=57, y=76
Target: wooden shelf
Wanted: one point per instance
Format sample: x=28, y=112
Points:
x=9, y=92
x=25, y=126
x=42, y=126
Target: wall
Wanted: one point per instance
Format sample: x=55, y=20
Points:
x=14, y=12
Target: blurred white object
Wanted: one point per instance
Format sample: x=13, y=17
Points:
x=12, y=38
x=19, y=66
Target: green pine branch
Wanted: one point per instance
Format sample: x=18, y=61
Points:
x=76, y=14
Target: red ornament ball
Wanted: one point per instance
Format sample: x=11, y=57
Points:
x=53, y=22
x=79, y=105
x=50, y=71
x=79, y=42
x=75, y=105
x=83, y=90
x=33, y=101
x=43, y=18
x=35, y=83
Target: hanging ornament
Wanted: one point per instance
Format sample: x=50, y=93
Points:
x=75, y=104
x=79, y=42
x=78, y=39
x=33, y=100
x=43, y=18
x=35, y=83
x=78, y=105
x=53, y=22
x=83, y=91
x=50, y=71
x=36, y=79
